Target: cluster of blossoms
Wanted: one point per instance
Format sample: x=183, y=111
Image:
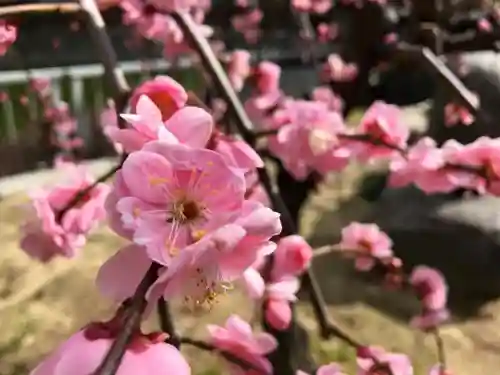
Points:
x=311, y=136
x=371, y=248
x=188, y=200
x=181, y=197
x=151, y=19
x=57, y=115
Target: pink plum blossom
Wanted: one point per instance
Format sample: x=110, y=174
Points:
x=237, y=338
x=261, y=106
x=267, y=77
x=8, y=35
x=327, y=32
x=237, y=152
x=480, y=160
x=166, y=93
x=248, y=24
x=41, y=85
x=326, y=95
x=367, y=243
x=423, y=165
x=46, y=235
x=306, y=138
x=239, y=68
x=484, y=25
x=83, y=352
x=381, y=134
x=387, y=363
x=456, y=114
x=189, y=125
x=337, y=70
x=174, y=191
x=202, y=270
x=207, y=268
x=432, y=291
x=291, y=258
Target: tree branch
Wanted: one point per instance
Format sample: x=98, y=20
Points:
x=226, y=355
x=131, y=322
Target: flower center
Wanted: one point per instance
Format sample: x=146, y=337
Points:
x=206, y=289
x=165, y=104
x=320, y=141
x=422, y=289
x=365, y=246
x=186, y=210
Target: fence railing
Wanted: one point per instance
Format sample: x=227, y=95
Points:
x=82, y=87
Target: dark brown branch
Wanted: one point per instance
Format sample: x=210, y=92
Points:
x=467, y=98
x=131, y=322
x=219, y=77
x=113, y=73
x=226, y=355
x=441, y=352
x=167, y=322
x=84, y=192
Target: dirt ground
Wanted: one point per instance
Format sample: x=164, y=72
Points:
x=40, y=305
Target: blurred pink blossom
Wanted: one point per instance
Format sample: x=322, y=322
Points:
x=431, y=289
x=82, y=353
x=248, y=24
x=267, y=77
x=381, y=131
x=336, y=70
x=456, y=114
x=239, y=68
x=423, y=165
x=291, y=258
x=387, y=363
x=367, y=243
x=237, y=338
x=45, y=235
x=306, y=137
x=8, y=35
x=166, y=93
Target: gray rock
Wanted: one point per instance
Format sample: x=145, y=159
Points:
x=459, y=236
x=483, y=79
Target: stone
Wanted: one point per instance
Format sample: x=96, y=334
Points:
x=459, y=236
x=483, y=78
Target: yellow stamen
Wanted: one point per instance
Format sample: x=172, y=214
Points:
x=156, y=180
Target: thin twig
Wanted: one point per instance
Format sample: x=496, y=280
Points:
x=438, y=66
x=84, y=192
x=167, y=322
x=131, y=322
x=114, y=75
x=226, y=355
x=441, y=352
x=219, y=77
